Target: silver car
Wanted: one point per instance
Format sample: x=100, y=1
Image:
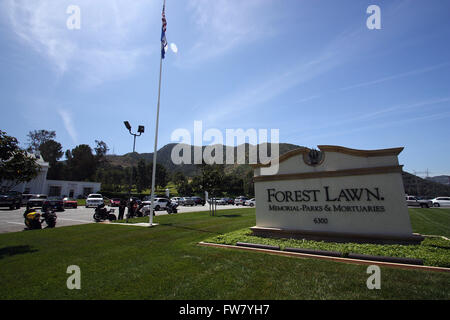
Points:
x=187, y=201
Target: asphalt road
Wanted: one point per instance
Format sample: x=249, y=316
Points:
x=13, y=221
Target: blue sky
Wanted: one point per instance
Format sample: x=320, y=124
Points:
x=310, y=68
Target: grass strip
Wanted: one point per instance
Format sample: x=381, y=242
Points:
x=432, y=251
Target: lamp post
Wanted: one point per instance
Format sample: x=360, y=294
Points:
x=140, y=131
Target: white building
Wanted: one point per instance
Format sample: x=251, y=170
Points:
x=40, y=185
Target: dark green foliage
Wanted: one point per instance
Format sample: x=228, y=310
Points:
x=51, y=151
x=16, y=166
x=37, y=137
x=82, y=164
x=142, y=179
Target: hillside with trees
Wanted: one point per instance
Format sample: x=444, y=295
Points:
x=84, y=163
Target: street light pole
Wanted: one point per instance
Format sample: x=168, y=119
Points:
x=140, y=131
x=131, y=174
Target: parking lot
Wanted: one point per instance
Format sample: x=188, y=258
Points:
x=12, y=220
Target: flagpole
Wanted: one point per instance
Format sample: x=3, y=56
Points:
x=156, y=139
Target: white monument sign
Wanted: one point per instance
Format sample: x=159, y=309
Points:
x=335, y=194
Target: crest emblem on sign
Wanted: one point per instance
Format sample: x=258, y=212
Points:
x=314, y=157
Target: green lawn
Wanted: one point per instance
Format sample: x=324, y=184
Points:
x=431, y=221
x=165, y=262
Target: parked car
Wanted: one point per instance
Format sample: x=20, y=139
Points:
x=70, y=203
x=160, y=203
x=240, y=200
x=198, y=201
x=26, y=197
x=37, y=201
x=218, y=201
x=175, y=199
x=441, y=202
x=55, y=203
x=94, y=199
x=115, y=202
x=412, y=201
x=229, y=200
x=11, y=199
x=187, y=201
x=250, y=202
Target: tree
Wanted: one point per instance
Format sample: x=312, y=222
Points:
x=37, y=137
x=184, y=188
x=81, y=163
x=211, y=179
x=161, y=176
x=51, y=151
x=234, y=185
x=16, y=166
x=249, y=185
x=178, y=177
x=141, y=177
x=101, y=149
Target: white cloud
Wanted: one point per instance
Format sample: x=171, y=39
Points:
x=222, y=25
x=396, y=76
x=101, y=50
x=68, y=124
x=382, y=117
x=380, y=124
x=380, y=80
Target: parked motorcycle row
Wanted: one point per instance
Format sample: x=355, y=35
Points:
x=134, y=210
x=34, y=218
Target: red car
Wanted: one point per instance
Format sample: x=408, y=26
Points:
x=70, y=203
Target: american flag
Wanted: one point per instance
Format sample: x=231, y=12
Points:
x=163, y=32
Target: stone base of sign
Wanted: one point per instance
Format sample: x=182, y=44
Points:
x=337, y=237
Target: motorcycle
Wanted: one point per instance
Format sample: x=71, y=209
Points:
x=140, y=211
x=50, y=218
x=172, y=207
x=33, y=219
x=102, y=214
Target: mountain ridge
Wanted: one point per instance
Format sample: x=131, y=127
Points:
x=414, y=185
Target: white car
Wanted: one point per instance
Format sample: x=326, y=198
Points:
x=160, y=203
x=441, y=202
x=240, y=200
x=250, y=203
x=94, y=199
x=176, y=199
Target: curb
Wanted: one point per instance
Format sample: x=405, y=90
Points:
x=141, y=224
